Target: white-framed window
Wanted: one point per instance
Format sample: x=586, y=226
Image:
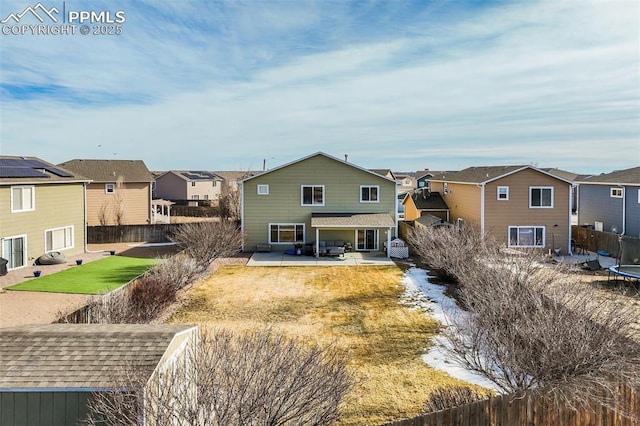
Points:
x=215, y=183
x=366, y=239
x=421, y=183
x=312, y=195
x=286, y=233
x=193, y=183
x=58, y=239
x=503, y=193
x=195, y=197
x=23, y=198
x=445, y=188
x=14, y=249
x=616, y=192
x=526, y=236
x=263, y=189
x=369, y=194
x=109, y=188
x=541, y=197
x=206, y=196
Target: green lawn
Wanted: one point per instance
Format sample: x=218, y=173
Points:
x=96, y=277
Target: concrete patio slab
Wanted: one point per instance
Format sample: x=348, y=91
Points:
x=349, y=259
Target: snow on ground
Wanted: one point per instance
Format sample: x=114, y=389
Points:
x=421, y=294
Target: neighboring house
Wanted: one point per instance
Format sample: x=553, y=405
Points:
x=233, y=178
x=42, y=210
x=191, y=186
x=611, y=202
x=384, y=172
x=405, y=181
x=522, y=206
x=120, y=191
x=318, y=198
x=423, y=176
x=49, y=372
x=424, y=202
x=570, y=176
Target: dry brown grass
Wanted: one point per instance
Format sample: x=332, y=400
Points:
x=356, y=307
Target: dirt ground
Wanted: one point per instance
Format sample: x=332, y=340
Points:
x=28, y=307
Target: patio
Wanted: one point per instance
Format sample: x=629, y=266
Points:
x=349, y=259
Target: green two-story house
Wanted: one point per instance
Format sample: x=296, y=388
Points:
x=315, y=199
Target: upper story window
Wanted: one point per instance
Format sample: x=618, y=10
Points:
x=541, y=197
x=369, y=194
x=23, y=198
x=193, y=183
x=109, y=188
x=445, y=188
x=616, y=192
x=263, y=189
x=503, y=193
x=312, y=195
x=215, y=183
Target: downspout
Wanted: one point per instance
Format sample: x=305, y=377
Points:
x=571, y=189
x=84, y=197
x=242, y=215
x=624, y=209
x=482, y=188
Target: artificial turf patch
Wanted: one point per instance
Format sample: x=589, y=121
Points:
x=98, y=277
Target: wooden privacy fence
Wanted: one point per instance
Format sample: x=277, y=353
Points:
x=157, y=233
x=593, y=240
x=529, y=410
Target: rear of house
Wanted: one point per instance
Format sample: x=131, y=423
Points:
x=522, y=206
x=42, y=211
x=120, y=191
x=318, y=198
x=189, y=186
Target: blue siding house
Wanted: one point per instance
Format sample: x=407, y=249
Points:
x=611, y=202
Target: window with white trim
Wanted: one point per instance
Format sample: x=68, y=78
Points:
x=312, y=195
x=445, y=188
x=193, y=183
x=503, y=193
x=541, y=197
x=526, y=236
x=263, y=189
x=616, y=193
x=369, y=193
x=23, y=198
x=58, y=239
x=109, y=188
x=195, y=197
x=286, y=233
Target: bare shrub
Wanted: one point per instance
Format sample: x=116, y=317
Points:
x=532, y=327
x=256, y=378
x=207, y=241
x=449, y=397
x=229, y=203
x=176, y=271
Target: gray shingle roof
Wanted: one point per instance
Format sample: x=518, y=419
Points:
x=101, y=171
x=75, y=356
x=627, y=176
x=353, y=220
x=425, y=200
x=476, y=174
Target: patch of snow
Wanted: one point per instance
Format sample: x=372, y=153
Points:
x=428, y=297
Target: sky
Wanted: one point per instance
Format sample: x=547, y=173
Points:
x=406, y=85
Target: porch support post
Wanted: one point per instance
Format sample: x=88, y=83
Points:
x=389, y=242
x=317, y=242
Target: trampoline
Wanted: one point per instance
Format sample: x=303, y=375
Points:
x=626, y=271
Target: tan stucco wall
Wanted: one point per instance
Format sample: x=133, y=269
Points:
x=56, y=206
x=133, y=198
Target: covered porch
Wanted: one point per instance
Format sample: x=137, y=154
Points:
x=360, y=232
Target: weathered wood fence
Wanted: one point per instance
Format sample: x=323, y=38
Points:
x=529, y=410
x=157, y=233
x=593, y=240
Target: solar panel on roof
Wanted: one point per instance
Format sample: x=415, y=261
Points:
x=20, y=172
x=57, y=171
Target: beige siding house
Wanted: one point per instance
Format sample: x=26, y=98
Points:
x=120, y=191
x=42, y=210
x=520, y=205
x=194, y=186
x=316, y=199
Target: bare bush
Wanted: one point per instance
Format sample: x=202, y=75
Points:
x=256, y=378
x=229, y=203
x=207, y=241
x=449, y=397
x=176, y=271
x=532, y=327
